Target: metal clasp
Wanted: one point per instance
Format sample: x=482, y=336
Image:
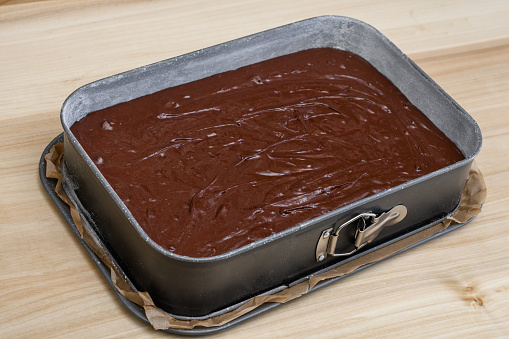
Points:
x=364, y=233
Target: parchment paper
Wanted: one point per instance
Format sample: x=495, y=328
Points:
x=473, y=197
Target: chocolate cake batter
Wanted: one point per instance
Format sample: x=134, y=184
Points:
x=215, y=164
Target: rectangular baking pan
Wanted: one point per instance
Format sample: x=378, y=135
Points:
x=197, y=287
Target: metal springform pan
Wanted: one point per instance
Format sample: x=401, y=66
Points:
x=190, y=288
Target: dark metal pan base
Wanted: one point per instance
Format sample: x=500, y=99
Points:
x=49, y=186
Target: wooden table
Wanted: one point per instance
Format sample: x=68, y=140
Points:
x=456, y=285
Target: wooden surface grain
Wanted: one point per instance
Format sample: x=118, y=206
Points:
x=454, y=286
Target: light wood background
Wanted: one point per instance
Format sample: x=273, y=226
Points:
x=455, y=286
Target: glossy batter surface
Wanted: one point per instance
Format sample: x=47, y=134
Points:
x=213, y=165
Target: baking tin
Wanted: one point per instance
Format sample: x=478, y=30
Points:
x=50, y=184
x=198, y=287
